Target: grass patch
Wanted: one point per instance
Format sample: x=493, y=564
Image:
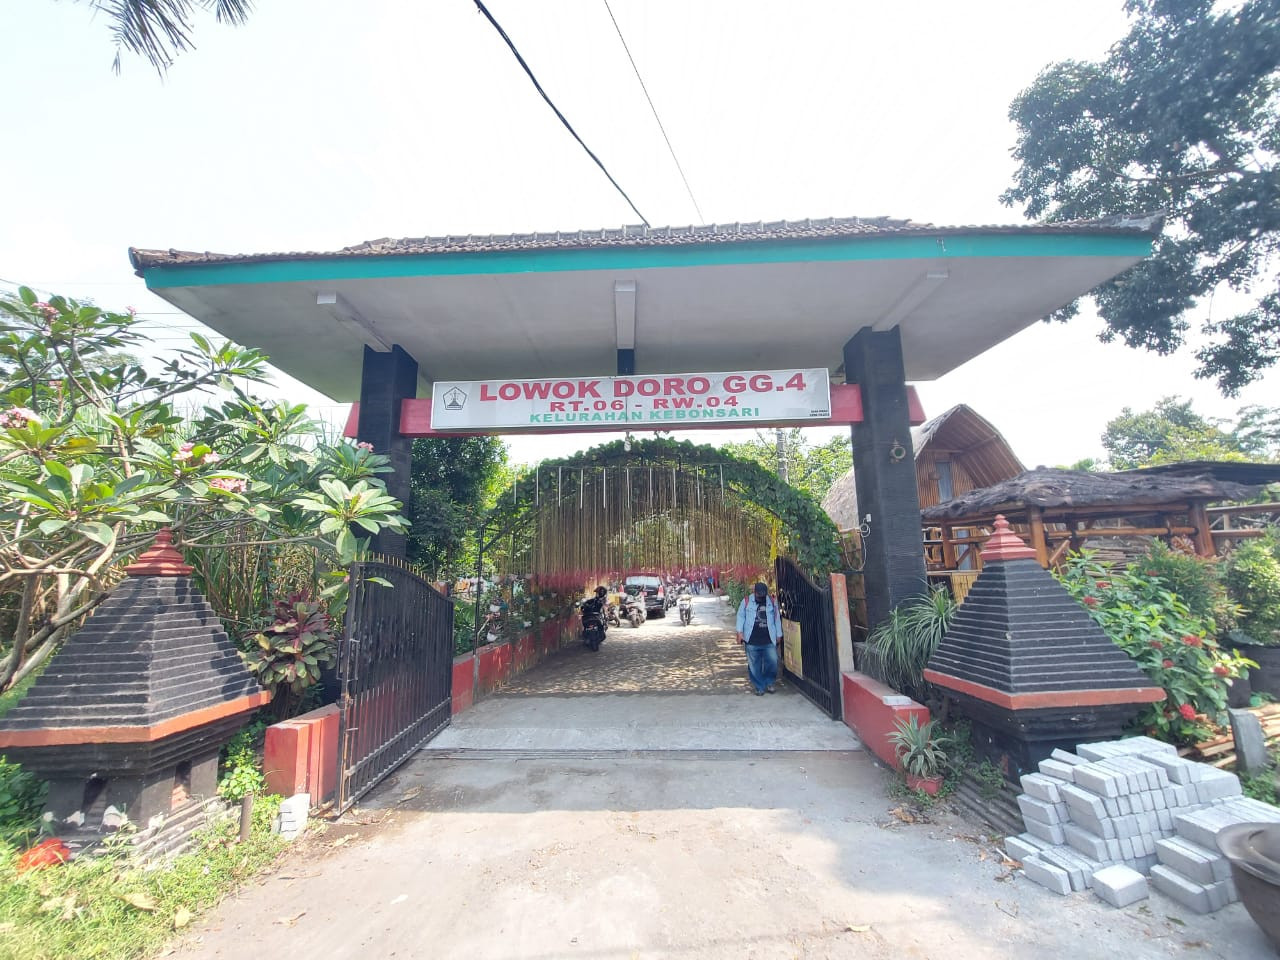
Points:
x=108, y=909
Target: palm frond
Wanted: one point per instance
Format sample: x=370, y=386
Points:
x=159, y=30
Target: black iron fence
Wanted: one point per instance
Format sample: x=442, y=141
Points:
x=395, y=666
x=810, y=606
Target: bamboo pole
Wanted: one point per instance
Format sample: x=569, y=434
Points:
x=1035, y=520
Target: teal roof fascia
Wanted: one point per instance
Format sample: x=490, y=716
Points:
x=926, y=247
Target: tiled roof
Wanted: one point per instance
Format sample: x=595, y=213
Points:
x=830, y=228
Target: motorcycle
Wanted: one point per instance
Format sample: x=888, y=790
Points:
x=593, y=629
x=685, y=605
x=633, y=610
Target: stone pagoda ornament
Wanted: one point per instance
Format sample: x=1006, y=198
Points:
x=127, y=720
x=1029, y=667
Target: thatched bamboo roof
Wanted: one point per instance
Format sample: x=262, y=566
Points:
x=961, y=432
x=1056, y=489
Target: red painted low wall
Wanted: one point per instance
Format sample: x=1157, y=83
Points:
x=464, y=692
x=866, y=712
x=301, y=755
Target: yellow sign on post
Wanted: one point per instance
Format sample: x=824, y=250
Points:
x=791, y=655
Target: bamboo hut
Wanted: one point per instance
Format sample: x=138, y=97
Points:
x=955, y=452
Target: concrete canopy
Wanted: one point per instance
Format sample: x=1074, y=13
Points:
x=721, y=297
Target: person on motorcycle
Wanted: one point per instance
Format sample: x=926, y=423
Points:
x=593, y=616
x=595, y=606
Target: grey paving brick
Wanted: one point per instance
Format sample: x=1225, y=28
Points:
x=1048, y=876
x=1033, y=809
x=1094, y=751
x=1192, y=860
x=1177, y=769
x=1102, y=826
x=1082, y=801
x=1112, y=806
x=1056, y=857
x=1058, y=770
x=1149, y=747
x=1119, y=885
x=1217, y=785
x=1126, y=826
x=1176, y=887
x=1023, y=845
x=1165, y=819
x=1113, y=850
x=1220, y=894
x=1101, y=780
x=1200, y=826
x=1067, y=757
x=1041, y=787
x=1049, y=832
x=1089, y=844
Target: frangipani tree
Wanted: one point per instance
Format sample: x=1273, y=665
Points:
x=94, y=457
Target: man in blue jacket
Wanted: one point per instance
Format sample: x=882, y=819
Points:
x=760, y=629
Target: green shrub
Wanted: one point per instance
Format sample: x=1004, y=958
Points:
x=1260, y=786
x=1174, y=648
x=242, y=765
x=21, y=800
x=905, y=641
x=1253, y=577
x=736, y=591
x=1197, y=582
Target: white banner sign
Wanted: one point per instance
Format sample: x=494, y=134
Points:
x=616, y=403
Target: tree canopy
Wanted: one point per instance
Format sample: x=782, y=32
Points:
x=1180, y=118
x=453, y=481
x=812, y=468
x=1173, y=432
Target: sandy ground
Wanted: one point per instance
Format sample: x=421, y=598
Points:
x=509, y=844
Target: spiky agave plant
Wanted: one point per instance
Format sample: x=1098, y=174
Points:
x=905, y=641
x=921, y=753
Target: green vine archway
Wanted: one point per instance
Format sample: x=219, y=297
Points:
x=748, y=497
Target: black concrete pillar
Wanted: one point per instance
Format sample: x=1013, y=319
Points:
x=885, y=473
x=387, y=379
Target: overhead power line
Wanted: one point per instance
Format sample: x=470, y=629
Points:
x=670, y=148
x=568, y=126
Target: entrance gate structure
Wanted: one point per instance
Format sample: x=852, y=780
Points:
x=394, y=667
x=874, y=301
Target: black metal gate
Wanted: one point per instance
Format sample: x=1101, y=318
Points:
x=810, y=606
x=395, y=664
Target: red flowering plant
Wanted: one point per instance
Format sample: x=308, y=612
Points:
x=1175, y=648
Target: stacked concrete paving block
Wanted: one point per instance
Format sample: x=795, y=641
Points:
x=1133, y=804
x=1191, y=869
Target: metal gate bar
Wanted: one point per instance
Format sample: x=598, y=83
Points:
x=810, y=606
x=395, y=665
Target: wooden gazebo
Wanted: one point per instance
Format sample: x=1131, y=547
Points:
x=1062, y=510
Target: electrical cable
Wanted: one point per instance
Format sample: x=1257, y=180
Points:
x=568, y=126
x=670, y=148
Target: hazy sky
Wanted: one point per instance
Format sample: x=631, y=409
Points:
x=322, y=123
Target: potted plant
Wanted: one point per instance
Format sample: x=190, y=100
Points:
x=1253, y=578
x=921, y=754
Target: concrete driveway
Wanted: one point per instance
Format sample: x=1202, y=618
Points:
x=711, y=824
